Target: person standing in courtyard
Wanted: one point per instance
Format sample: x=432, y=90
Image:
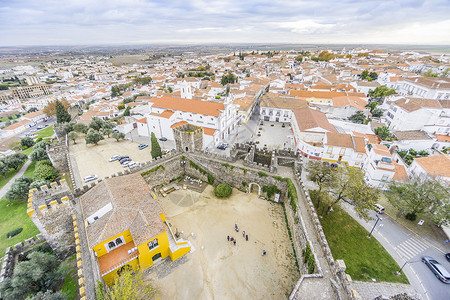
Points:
x=264, y=252
x=243, y=234
x=234, y=242
x=228, y=237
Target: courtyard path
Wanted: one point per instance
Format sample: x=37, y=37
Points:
x=7, y=186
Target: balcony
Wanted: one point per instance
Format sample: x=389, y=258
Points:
x=116, y=258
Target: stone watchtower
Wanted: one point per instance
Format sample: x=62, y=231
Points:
x=188, y=138
x=51, y=210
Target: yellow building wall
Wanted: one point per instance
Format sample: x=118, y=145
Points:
x=180, y=252
x=146, y=255
x=100, y=248
x=110, y=277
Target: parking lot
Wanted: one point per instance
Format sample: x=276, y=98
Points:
x=274, y=136
x=93, y=159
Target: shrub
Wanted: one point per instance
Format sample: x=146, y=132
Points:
x=14, y=232
x=262, y=174
x=411, y=216
x=271, y=190
x=244, y=183
x=210, y=179
x=223, y=190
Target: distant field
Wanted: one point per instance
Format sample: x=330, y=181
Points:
x=129, y=59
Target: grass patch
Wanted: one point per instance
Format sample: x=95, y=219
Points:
x=44, y=133
x=365, y=258
x=5, y=179
x=28, y=151
x=70, y=286
x=30, y=170
x=14, y=215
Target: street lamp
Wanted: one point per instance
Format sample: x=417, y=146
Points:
x=378, y=219
x=399, y=272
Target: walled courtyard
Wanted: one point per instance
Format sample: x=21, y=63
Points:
x=217, y=269
x=93, y=159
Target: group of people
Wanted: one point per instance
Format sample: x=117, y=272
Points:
x=233, y=240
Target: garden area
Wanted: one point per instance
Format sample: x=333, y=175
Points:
x=365, y=258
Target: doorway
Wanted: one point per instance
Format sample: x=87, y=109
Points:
x=156, y=257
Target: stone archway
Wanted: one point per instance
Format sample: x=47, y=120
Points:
x=250, y=188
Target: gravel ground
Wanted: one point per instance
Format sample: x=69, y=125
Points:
x=217, y=269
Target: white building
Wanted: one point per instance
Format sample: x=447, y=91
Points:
x=425, y=87
x=219, y=120
x=432, y=167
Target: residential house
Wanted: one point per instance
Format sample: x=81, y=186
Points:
x=344, y=148
x=126, y=227
x=16, y=128
x=278, y=108
x=425, y=87
x=433, y=167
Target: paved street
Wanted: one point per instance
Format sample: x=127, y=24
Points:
x=406, y=246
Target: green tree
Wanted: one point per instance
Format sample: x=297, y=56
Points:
x=417, y=196
x=229, y=78
x=3, y=168
x=93, y=137
x=38, y=154
x=222, y=190
x=118, y=135
x=373, y=76
x=27, y=142
x=357, y=117
x=377, y=112
x=14, y=161
x=41, y=144
x=156, y=149
x=44, y=172
x=430, y=73
x=381, y=92
x=80, y=127
x=128, y=285
x=41, y=272
x=372, y=105
x=62, y=116
x=383, y=132
x=19, y=189
x=68, y=127
x=38, y=183
x=321, y=174
x=114, y=91
x=127, y=113
x=73, y=136
x=49, y=295
x=96, y=123
x=365, y=74
x=108, y=132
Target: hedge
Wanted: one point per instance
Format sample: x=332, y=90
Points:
x=153, y=170
x=14, y=232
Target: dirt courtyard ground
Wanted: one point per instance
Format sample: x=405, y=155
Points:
x=217, y=269
x=93, y=159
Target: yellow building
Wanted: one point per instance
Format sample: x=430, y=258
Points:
x=126, y=227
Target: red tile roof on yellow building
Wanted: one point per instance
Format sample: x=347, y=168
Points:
x=188, y=105
x=349, y=100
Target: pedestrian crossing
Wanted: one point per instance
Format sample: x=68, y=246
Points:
x=411, y=248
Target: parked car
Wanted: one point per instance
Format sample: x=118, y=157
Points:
x=439, y=271
x=142, y=146
x=90, y=178
x=125, y=160
x=122, y=157
x=115, y=157
x=378, y=208
x=447, y=256
x=163, y=139
x=133, y=164
x=127, y=163
x=222, y=146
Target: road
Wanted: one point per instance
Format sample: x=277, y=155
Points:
x=7, y=186
x=29, y=131
x=406, y=246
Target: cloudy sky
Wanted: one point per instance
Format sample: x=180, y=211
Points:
x=97, y=22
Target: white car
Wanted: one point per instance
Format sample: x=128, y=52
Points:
x=127, y=163
x=90, y=178
x=133, y=164
x=114, y=158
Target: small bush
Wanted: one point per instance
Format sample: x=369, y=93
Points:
x=244, y=183
x=210, y=179
x=223, y=190
x=14, y=232
x=262, y=174
x=411, y=216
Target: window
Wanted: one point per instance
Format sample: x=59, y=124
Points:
x=119, y=241
x=153, y=244
x=330, y=150
x=384, y=178
x=111, y=244
x=360, y=155
x=342, y=152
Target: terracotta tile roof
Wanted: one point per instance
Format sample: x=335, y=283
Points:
x=359, y=144
x=411, y=135
x=188, y=105
x=133, y=209
x=17, y=125
x=166, y=114
x=400, y=172
x=413, y=104
x=178, y=124
x=381, y=149
x=349, y=100
x=322, y=95
x=339, y=140
x=143, y=120
x=208, y=131
x=275, y=100
x=372, y=138
x=438, y=165
x=442, y=138
x=308, y=118
x=33, y=114
x=431, y=82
